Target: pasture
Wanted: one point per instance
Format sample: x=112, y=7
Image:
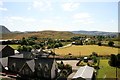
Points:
x=14, y=46
x=107, y=71
x=86, y=50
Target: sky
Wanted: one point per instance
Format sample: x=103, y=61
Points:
x=59, y=15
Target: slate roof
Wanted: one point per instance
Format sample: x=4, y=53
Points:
x=2, y=46
x=4, y=61
x=26, y=55
x=31, y=64
x=44, y=61
x=18, y=56
x=35, y=62
x=19, y=61
x=85, y=72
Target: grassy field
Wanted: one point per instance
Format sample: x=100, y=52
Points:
x=106, y=42
x=86, y=50
x=14, y=46
x=107, y=71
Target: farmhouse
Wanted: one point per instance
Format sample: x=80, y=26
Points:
x=6, y=51
x=84, y=73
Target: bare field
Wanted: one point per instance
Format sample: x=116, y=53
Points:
x=86, y=50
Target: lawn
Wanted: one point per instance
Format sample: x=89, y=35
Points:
x=107, y=71
x=14, y=46
x=86, y=50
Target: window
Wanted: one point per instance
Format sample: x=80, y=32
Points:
x=40, y=66
x=13, y=67
x=46, y=71
x=39, y=70
x=27, y=71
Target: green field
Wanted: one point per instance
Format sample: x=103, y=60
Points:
x=107, y=71
x=14, y=46
x=86, y=50
x=106, y=42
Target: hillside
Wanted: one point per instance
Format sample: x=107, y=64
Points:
x=94, y=32
x=41, y=34
x=4, y=30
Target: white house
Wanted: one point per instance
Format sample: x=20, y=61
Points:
x=84, y=73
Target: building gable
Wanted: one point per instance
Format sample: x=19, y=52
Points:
x=6, y=51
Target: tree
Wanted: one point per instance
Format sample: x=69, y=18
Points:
x=24, y=41
x=94, y=54
x=113, y=60
x=99, y=44
x=111, y=43
x=32, y=38
x=31, y=42
x=94, y=58
x=118, y=60
x=24, y=48
x=36, y=46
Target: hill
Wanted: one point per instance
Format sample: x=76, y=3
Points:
x=41, y=34
x=4, y=30
x=94, y=32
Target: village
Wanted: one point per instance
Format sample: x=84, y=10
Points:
x=43, y=63
x=59, y=40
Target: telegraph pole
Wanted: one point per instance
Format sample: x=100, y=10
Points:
x=116, y=66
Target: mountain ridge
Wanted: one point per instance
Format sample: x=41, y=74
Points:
x=94, y=32
x=4, y=30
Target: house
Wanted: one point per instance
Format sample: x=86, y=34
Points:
x=84, y=73
x=6, y=51
x=42, y=68
x=16, y=63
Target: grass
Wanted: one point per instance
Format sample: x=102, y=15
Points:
x=106, y=42
x=107, y=71
x=14, y=46
x=86, y=50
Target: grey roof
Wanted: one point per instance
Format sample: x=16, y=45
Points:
x=35, y=63
x=31, y=64
x=85, y=72
x=18, y=56
x=26, y=55
x=2, y=46
x=4, y=61
x=44, y=61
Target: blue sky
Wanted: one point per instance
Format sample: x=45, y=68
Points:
x=59, y=15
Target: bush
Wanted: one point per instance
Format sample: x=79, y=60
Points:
x=111, y=43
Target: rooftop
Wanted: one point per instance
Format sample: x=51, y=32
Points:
x=85, y=72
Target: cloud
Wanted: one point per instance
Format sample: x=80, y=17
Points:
x=19, y=23
x=70, y=6
x=82, y=18
x=42, y=5
x=81, y=15
x=3, y=9
x=18, y=18
x=1, y=3
x=47, y=21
